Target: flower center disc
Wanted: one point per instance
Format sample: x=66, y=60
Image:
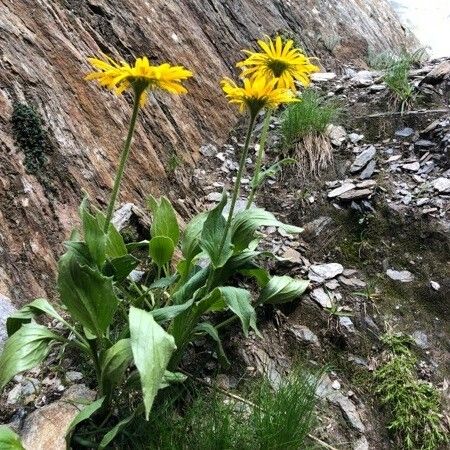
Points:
x=277, y=67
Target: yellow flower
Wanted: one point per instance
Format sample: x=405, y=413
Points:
x=257, y=93
x=279, y=60
x=141, y=76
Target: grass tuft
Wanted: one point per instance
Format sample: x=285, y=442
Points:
x=414, y=404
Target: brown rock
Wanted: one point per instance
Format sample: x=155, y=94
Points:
x=45, y=428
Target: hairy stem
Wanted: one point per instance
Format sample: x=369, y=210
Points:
x=259, y=157
x=123, y=159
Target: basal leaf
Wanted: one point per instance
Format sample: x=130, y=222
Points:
x=88, y=295
x=9, y=440
x=164, y=220
x=190, y=244
x=211, y=330
x=167, y=313
x=25, y=349
x=115, y=245
x=161, y=250
x=152, y=349
x=113, y=432
x=282, y=289
x=119, y=268
x=212, y=239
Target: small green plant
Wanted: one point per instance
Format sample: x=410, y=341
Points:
x=303, y=127
x=414, y=405
x=29, y=136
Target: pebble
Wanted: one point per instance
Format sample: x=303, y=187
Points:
x=441, y=184
x=322, y=272
x=208, y=150
x=413, y=167
x=403, y=276
x=421, y=339
x=404, y=132
x=304, y=334
x=321, y=297
x=214, y=197
x=337, y=134
x=435, y=285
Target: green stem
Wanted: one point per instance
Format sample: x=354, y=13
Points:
x=259, y=157
x=123, y=159
x=93, y=343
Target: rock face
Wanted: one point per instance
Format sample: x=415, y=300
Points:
x=43, y=50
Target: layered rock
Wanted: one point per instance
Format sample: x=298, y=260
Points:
x=43, y=50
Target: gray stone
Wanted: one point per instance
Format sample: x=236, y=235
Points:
x=363, y=158
x=347, y=323
x=356, y=194
x=323, y=76
x=332, y=284
x=136, y=275
x=321, y=297
x=363, y=78
x=368, y=170
x=404, y=132
x=361, y=444
x=435, y=285
x=304, y=334
x=403, y=276
x=413, y=167
x=73, y=376
x=292, y=256
x=317, y=226
x=441, y=184
x=424, y=143
x=208, y=150
x=377, y=87
x=352, y=282
x=337, y=134
x=46, y=427
x=421, y=339
x=322, y=272
x=214, y=197
x=355, y=137
x=6, y=309
x=340, y=190
x=366, y=184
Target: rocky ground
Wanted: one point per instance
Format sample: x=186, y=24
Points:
x=375, y=248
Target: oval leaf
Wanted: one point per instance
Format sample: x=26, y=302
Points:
x=282, y=289
x=152, y=349
x=164, y=221
x=161, y=250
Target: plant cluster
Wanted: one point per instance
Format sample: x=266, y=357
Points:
x=303, y=127
x=135, y=334
x=414, y=404
x=29, y=136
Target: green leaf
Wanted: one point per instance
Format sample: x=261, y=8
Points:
x=170, y=378
x=9, y=440
x=211, y=330
x=152, y=349
x=245, y=224
x=88, y=295
x=28, y=312
x=164, y=282
x=261, y=275
x=271, y=171
x=240, y=302
x=212, y=236
x=119, y=268
x=187, y=290
x=164, y=221
x=93, y=234
x=115, y=245
x=114, y=363
x=113, y=432
x=83, y=415
x=282, y=289
x=162, y=315
x=25, y=349
x=161, y=250
x=190, y=244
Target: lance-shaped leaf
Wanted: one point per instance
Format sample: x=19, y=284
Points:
x=87, y=294
x=211, y=330
x=190, y=244
x=218, y=248
x=164, y=220
x=166, y=313
x=161, y=250
x=93, y=234
x=113, y=432
x=26, y=313
x=245, y=223
x=114, y=363
x=9, y=440
x=282, y=289
x=119, y=268
x=115, y=245
x=25, y=349
x=152, y=349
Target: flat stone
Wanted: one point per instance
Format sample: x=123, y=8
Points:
x=340, y=190
x=361, y=444
x=208, y=150
x=404, y=276
x=356, y=194
x=322, y=272
x=355, y=137
x=377, y=87
x=438, y=73
x=323, y=76
x=424, y=143
x=321, y=297
x=413, y=167
x=352, y=282
x=304, y=335
x=404, y=132
x=46, y=427
x=393, y=158
x=73, y=375
x=368, y=170
x=214, y=197
x=332, y=284
x=363, y=158
x=317, y=227
x=435, y=285
x=6, y=309
x=292, y=256
x=363, y=78
x=346, y=322
x=366, y=184
x=441, y=184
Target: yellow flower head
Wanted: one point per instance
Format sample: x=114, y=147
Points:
x=257, y=93
x=141, y=76
x=279, y=60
